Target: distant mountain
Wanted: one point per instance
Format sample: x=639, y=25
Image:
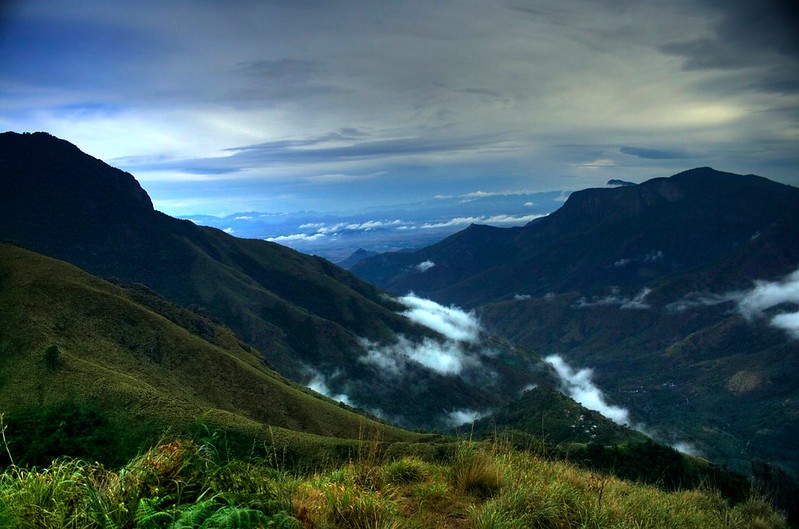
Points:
x=624, y=236
x=311, y=320
x=359, y=255
x=620, y=183
x=676, y=292
x=126, y=366
x=335, y=235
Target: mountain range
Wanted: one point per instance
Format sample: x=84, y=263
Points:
x=679, y=293
x=650, y=285
x=312, y=321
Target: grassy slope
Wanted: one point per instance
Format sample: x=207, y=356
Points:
x=180, y=484
x=66, y=204
x=144, y=371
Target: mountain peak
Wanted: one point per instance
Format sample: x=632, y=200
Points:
x=619, y=183
x=40, y=163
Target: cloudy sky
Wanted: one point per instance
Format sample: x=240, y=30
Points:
x=277, y=105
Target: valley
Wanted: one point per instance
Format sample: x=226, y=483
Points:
x=663, y=307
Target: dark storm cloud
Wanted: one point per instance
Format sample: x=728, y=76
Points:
x=747, y=34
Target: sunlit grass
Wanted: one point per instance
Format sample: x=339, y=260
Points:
x=181, y=483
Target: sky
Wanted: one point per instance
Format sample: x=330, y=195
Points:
x=332, y=105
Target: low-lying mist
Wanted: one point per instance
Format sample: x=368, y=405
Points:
x=775, y=301
x=452, y=373
x=578, y=384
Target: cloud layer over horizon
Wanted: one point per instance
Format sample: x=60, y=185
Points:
x=335, y=105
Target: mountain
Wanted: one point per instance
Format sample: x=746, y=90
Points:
x=676, y=292
x=619, y=183
x=354, y=258
x=100, y=370
x=624, y=236
x=311, y=320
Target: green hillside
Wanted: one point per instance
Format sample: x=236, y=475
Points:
x=309, y=319
x=77, y=348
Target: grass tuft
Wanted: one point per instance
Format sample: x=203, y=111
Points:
x=405, y=471
x=475, y=471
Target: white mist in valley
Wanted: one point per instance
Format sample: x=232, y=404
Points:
x=766, y=295
x=452, y=322
x=456, y=351
x=579, y=385
x=775, y=301
x=319, y=384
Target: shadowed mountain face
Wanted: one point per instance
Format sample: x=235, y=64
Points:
x=311, y=320
x=679, y=293
x=63, y=203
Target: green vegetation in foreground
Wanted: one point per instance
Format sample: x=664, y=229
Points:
x=183, y=483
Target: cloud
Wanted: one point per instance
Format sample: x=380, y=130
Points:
x=695, y=299
x=331, y=229
x=489, y=220
x=296, y=237
x=687, y=448
x=319, y=384
x=424, y=266
x=446, y=358
x=767, y=295
x=637, y=303
x=776, y=301
x=485, y=194
x=615, y=298
x=579, y=386
x=596, y=164
x=451, y=322
x=449, y=355
x=272, y=99
x=457, y=418
x=653, y=154
x=649, y=257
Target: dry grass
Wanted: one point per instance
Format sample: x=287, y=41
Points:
x=182, y=484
